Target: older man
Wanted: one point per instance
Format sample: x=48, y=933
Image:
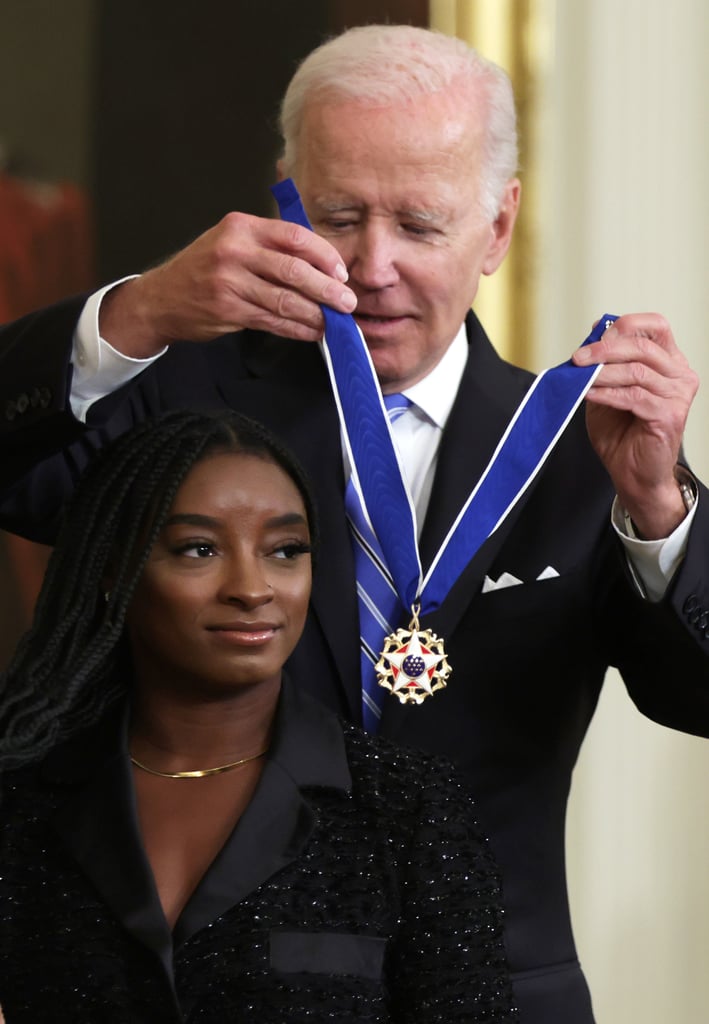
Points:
x=402, y=145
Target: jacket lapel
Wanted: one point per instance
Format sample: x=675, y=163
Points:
x=489, y=392
x=98, y=824
x=308, y=750
x=269, y=835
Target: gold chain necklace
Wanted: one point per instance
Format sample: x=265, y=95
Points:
x=198, y=774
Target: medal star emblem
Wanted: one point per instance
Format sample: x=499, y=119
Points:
x=413, y=664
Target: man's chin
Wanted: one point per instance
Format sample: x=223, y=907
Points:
x=391, y=374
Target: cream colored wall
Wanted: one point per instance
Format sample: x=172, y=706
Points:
x=624, y=167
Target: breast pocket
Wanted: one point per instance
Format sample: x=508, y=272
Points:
x=361, y=956
x=542, y=598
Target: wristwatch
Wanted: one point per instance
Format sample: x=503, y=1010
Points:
x=687, y=488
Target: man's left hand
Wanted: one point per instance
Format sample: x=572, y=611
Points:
x=636, y=414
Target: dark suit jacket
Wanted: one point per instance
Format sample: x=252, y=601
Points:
x=355, y=887
x=528, y=661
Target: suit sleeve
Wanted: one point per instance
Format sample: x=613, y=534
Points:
x=662, y=648
x=35, y=380
x=449, y=963
x=43, y=447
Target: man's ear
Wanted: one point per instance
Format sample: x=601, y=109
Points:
x=502, y=227
x=280, y=173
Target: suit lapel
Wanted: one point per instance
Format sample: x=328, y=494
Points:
x=98, y=824
x=489, y=392
x=307, y=750
x=269, y=836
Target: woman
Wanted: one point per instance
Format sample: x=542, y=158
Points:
x=187, y=837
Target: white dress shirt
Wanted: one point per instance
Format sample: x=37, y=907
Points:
x=418, y=431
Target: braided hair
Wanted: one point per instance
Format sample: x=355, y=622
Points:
x=63, y=673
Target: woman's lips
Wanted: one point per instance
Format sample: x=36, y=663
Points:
x=246, y=634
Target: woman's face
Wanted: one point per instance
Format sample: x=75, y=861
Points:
x=223, y=597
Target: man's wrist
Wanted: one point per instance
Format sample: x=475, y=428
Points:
x=662, y=516
x=653, y=563
x=124, y=323
x=99, y=368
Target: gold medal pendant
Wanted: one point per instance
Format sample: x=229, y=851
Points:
x=413, y=663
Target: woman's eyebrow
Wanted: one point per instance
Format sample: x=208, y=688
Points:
x=197, y=519
x=191, y=519
x=288, y=519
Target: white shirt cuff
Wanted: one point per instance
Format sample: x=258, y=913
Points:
x=653, y=563
x=99, y=368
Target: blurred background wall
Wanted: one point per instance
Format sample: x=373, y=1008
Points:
x=623, y=218
x=161, y=117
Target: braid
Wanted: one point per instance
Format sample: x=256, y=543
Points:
x=64, y=672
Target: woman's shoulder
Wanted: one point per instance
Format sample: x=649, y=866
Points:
x=427, y=810
x=366, y=749
x=403, y=779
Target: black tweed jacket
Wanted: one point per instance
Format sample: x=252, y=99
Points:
x=356, y=887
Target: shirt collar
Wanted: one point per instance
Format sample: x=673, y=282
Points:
x=307, y=743
x=435, y=393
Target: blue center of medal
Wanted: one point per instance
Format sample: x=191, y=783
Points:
x=413, y=665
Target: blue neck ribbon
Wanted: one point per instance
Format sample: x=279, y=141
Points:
x=535, y=428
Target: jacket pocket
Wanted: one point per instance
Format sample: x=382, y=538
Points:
x=327, y=953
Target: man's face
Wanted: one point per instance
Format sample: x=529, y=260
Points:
x=396, y=191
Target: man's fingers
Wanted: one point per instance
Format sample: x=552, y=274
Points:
x=657, y=378
x=283, y=326
x=244, y=272
x=643, y=337
x=302, y=278
x=310, y=247
x=285, y=255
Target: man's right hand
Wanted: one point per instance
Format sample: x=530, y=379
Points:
x=244, y=272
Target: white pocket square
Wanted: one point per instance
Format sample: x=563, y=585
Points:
x=548, y=574
x=508, y=580
x=505, y=580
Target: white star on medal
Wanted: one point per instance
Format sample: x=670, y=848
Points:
x=410, y=669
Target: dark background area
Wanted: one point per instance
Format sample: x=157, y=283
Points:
x=186, y=127
x=186, y=108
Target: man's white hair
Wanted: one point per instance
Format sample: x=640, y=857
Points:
x=381, y=64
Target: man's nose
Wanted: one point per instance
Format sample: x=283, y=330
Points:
x=374, y=263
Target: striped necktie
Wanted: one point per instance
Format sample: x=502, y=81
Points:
x=380, y=609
